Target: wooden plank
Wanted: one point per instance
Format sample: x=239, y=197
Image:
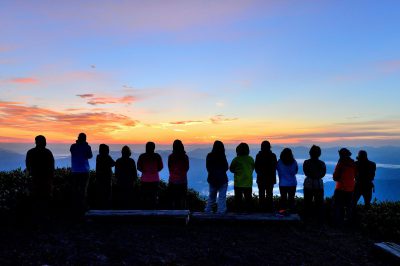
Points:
x=390, y=248
x=260, y=217
x=138, y=213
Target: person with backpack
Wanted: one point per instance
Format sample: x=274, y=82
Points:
x=126, y=179
x=81, y=152
x=243, y=166
x=217, y=165
x=150, y=164
x=287, y=169
x=364, y=179
x=314, y=169
x=344, y=175
x=178, y=165
x=103, y=182
x=265, y=167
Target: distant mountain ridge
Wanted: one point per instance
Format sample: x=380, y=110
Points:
x=387, y=179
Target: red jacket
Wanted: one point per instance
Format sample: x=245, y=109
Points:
x=178, y=165
x=344, y=175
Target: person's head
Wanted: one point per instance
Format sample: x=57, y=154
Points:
x=218, y=147
x=362, y=155
x=265, y=146
x=82, y=137
x=150, y=147
x=315, y=152
x=287, y=156
x=126, y=152
x=177, y=147
x=40, y=141
x=344, y=153
x=242, y=149
x=104, y=149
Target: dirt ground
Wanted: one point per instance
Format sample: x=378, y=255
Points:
x=142, y=243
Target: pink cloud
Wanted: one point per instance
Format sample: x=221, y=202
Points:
x=88, y=95
x=221, y=119
x=186, y=122
x=389, y=66
x=32, y=118
x=24, y=80
x=111, y=100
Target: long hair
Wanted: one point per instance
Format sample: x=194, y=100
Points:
x=287, y=156
x=104, y=149
x=265, y=146
x=218, y=148
x=177, y=147
x=126, y=152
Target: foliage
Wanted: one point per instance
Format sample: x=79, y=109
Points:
x=381, y=221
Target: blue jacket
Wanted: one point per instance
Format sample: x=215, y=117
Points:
x=80, y=155
x=287, y=174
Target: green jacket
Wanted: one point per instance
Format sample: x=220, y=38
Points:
x=242, y=167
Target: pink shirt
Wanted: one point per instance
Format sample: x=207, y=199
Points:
x=150, y=164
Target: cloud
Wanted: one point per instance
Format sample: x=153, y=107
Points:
x=221, y=119
x=24, y=80
x=389, y=66
x=28, y=119
x=186, y=122
x=95, y=100
x=88, y=95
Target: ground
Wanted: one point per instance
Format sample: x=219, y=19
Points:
x=143, y=243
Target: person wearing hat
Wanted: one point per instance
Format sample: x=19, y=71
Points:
x=364, y=179
x=344, y=175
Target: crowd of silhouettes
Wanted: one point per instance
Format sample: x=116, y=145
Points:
x=353, y=179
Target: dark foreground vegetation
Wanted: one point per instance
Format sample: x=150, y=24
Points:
x=59, y=240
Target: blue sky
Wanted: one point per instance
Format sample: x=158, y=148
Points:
x=289, y=71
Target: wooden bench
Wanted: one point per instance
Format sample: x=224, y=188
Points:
x=250, y=217
x=389, y=248
x=151, y=214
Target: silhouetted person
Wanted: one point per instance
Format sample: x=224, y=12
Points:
x=287, y=169
x=40, y=166
x=103, y=184
x=126, y=177
x=265, y=167
x=217, y=165
x=178, y=165
x=314, y=170
x=150, y=164
x=243, y=166
x=80, y=155
x=344, y=175
x=364, y=179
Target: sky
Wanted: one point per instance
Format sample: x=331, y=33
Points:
x=290, y=71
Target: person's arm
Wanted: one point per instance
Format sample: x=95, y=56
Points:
x=306, y=168
x=296, y=168
x=112, y=162
x=187, y=163
x=323, y=172
x=135, y=173
x=208, y=163
x=232, y=168
x=160, y=163
x=252, y=164
x=89, y=154
x=258, y=164
x=170, y=162
x=52, y=163
x=28, y=163
x=226, y=165
x=373, y=171
x=140, y=164
x=337, y=172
